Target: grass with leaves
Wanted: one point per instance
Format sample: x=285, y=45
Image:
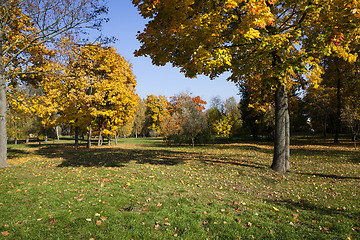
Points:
x=143, y=189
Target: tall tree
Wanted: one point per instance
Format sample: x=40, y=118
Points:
x=268, y=39
x=156, y=110
x=96, y=86
x=26, y=27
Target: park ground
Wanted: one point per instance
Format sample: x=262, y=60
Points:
x=144, y=189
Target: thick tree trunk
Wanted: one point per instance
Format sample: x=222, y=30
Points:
x=282, y=133
x=3, y=109
x=109, y=140
x=88, y=145
x=76, y=137
x=27, y=139
x=15, y=141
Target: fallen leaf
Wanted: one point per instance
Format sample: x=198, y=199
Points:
x=159, y=204
x=6, y=233
x=276, y=209
x=103, y=218
x=98, y=222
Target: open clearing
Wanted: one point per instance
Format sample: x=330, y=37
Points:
x=143, y=189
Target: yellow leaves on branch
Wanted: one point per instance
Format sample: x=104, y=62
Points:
x=96, y=82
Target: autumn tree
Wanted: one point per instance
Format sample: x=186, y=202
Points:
x=139, y=119
x=156, y=110
x=227, y=122
x=186, y=118
x=27, y=29
x=269, y=40
x=96, y=87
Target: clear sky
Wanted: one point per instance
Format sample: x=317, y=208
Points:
x=124, y=24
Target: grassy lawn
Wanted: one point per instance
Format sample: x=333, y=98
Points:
x=142, y=189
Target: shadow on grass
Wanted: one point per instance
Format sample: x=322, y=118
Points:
x=111, y=157
x=307, y=205
x=13, y=153
x=220, y=160
x=333, y=176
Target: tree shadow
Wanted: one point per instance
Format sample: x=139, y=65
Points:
x=350, y=156
x=112, y=157
x=333, y=176
x=13, y=153
x=211, y=160
x=307, y=205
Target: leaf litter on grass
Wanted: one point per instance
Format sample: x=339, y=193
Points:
x=220, y=191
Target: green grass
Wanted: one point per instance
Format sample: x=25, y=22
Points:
x=142, y=189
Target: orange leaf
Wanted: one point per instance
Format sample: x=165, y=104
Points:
x=6, y=233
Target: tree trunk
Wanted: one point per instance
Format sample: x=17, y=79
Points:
x=282, y=134
x=15, y=141
x=338, y=108
x=100, y=141
x=116, y=138
x=27, y=139
x=76, y=137
x=193, y=142
x=89, y=137
x=109, y=140
x=57, y=133
x=3, y=109
x=136, y=132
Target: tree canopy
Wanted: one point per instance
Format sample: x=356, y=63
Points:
x=274, y=41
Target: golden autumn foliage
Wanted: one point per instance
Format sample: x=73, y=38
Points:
x=273, y=41
x=28, y=31
x=156, y=111
x=96, y=86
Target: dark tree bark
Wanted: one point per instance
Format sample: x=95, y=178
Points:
x=281, y=160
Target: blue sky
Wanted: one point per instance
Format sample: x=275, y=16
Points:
x=124, y=24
